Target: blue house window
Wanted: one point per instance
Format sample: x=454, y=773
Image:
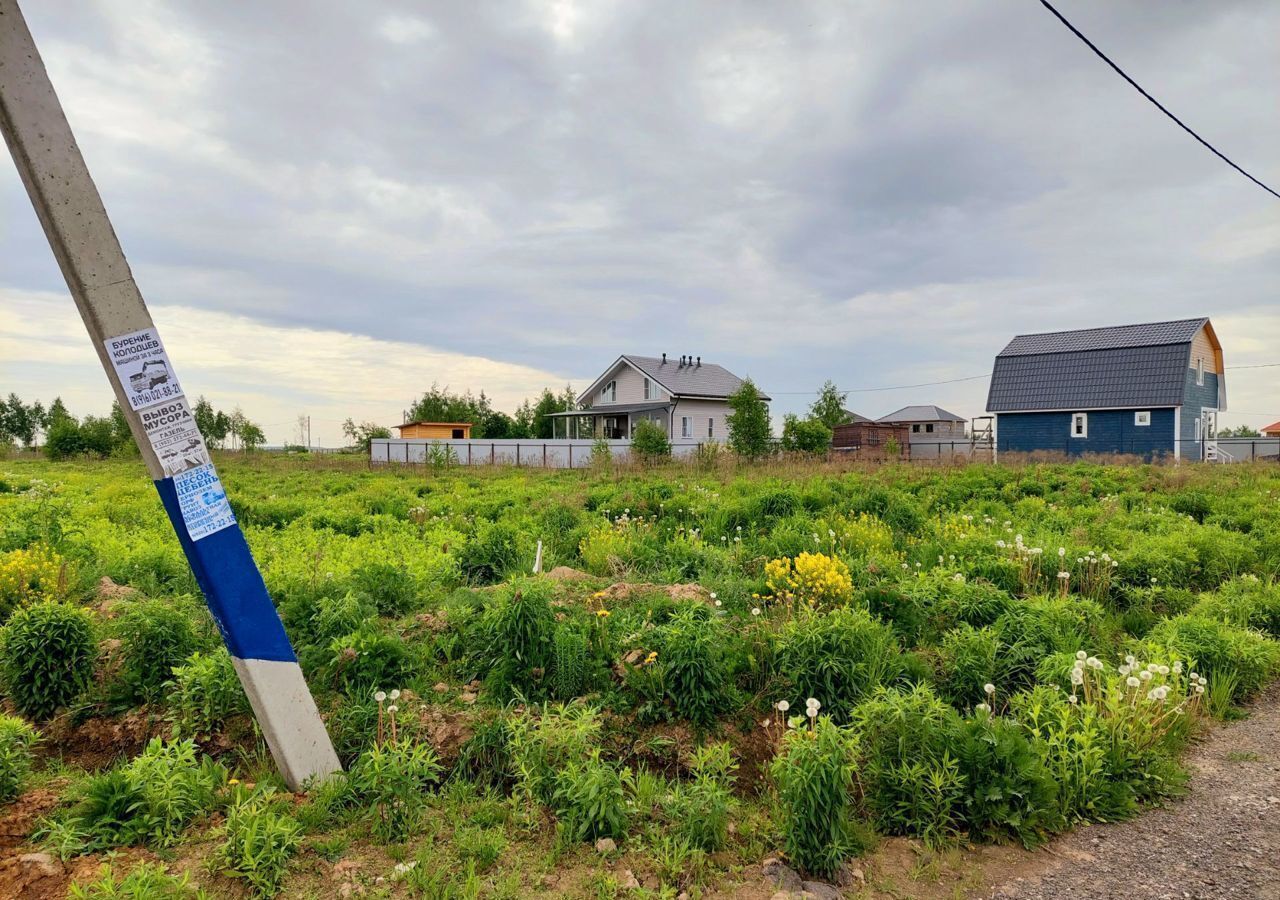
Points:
x=1079, y=425
x=1142, y=418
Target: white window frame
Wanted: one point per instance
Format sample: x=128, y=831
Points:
x=686, y=426
x=1142, y=418
x=647, y=389
x=711, y=426
x=1081, y=419
x=1200, y=371
x=1199, y=428
x=609, y=393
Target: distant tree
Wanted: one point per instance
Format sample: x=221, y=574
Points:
x=251, y=436
x=829, y=407
x=496, y=426
x=121, y=436
x=542, y=425
x=62, y=438
x=439, y=404
x=1240, y=431
x=749, y=430
x=57, y=412
x=20, y=422
x=649, y=441
x=804, y=435
x=361, y=435
x=97, y=435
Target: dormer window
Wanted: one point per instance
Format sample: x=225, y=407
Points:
x=648, y=389
x=609, y=393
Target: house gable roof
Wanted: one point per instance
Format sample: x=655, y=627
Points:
x=920, y=414
x=1127, y=366
x=706, y=380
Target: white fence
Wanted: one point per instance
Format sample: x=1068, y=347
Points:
x=551, y=454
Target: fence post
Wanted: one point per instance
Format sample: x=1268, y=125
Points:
x=544, y=455
x=571, y=455
x=468, y=453
x=1253, y=451
x=517, y=454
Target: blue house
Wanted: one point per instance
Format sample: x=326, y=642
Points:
x=1153, y=390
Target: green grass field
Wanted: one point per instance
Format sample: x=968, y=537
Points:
x=721, y=665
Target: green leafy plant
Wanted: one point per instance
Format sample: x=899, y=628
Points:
x=154, y=637
x=814, y=772
x=839, y=657
x=258, y=842
x=47, y=657
x=569, y=671
x=146, y=881
x=649, y=441
x=700, y=808
x=393, y=780
x=692, y=663
x=205, y=693
x=520, y=632
x=590, y=799
x=17, y=738
x=1008, y=792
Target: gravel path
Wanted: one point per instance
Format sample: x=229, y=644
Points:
x=1221, y=840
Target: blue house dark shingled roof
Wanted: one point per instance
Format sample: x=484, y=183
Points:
x=1094, y=368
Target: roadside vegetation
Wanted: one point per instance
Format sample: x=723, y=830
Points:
x=720, y=664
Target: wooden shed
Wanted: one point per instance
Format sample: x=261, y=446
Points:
x=871, y=439
x=458, y=431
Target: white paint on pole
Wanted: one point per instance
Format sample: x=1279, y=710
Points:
x=537, y=561
x=150, y=395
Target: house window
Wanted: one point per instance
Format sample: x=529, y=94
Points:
x=686, y=426
x=1142, y=418
x=1198, y=429
x=929, y=428
x=1200, y=370
x=647, y=389
x=609, y=393
x=915, y=429
x=457, y=434
x=1079, y=425
x=711, y=427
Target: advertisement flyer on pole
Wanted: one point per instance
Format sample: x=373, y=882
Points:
x=143, y=368
x=172, y=432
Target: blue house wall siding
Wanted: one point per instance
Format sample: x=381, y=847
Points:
x=1110, y=431
x=1196, y=397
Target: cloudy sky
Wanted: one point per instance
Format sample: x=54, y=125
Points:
x=331, y=205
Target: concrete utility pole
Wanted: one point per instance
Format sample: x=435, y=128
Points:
x=76, y=224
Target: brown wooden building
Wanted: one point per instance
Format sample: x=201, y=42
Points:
x=871, y=439
x=457, y=431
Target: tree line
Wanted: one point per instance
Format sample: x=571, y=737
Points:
x=64, y=436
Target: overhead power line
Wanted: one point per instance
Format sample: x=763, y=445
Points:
x=1119, y=71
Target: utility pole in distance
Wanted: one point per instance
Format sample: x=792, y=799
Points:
x=98, y=276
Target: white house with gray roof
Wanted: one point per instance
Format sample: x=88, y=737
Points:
x=687, y=397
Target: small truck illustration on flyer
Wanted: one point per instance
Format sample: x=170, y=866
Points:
x=152, y=373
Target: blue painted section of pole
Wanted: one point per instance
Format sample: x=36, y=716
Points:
x=232, y=586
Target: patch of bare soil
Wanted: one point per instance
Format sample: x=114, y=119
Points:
x=19, y=818
x=98, y=742
x=567, y=573
x=624, y=590
x=1222, y=840
x=35, y=875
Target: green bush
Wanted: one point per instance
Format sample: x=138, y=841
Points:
x=814, y=772
x=258, y=843
x=393, y=780
x=649, y=441
x=149, y=800
x=804, y=435
x=1219, y=651
x=206, y=693
x=569, y=671
x=968, y=662
x=392, y=589
x=47, y=657
x=368, y=659
x=910, y=777
x=543, y=741
x=490, y=553
x=692, y=664
x=590, y=799
x=1245, y=603
x=837, y=657
x=520, y=631
x=1008, y=792
x=700, y=808
x=17, y=738
x=154, y=637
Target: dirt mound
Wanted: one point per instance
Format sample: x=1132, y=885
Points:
x=98, y=742
x=19, y=818
x=626, y=590
x=110, y=595
x=566, y=573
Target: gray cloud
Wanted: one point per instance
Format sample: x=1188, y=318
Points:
x=879, y=194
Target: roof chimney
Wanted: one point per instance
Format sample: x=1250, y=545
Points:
x=699, y=362
x=664, y=359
